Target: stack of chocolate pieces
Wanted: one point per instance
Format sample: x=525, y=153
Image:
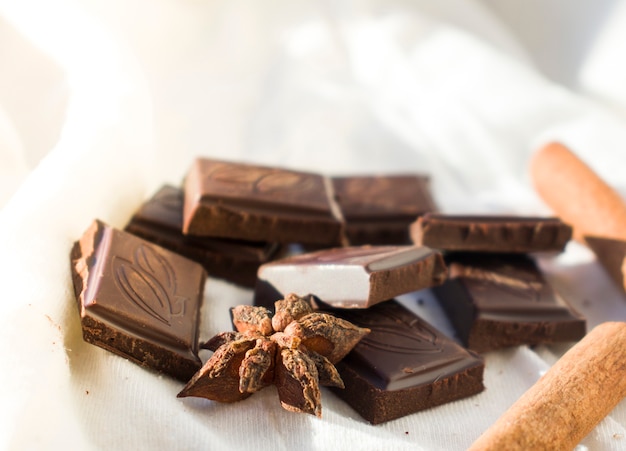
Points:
x=160, y=220
x=496, y=295
x=233, y=217
x=251, y=202
x=403, y=365
x=139, y=290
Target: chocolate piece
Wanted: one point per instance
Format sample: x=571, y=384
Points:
x=611, y=254
x=160, y=221
x=351, y=277
x=138, y=300
x=236, y=200
x=505, y=234
x=495, y=301
x=403, y=365
x=380, y=209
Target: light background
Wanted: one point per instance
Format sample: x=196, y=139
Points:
x=101, y=102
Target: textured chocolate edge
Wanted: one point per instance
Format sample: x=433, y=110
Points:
x=140, y=351
x=488, y=335
x=379, y=406
x=458, y=233
x=425, y=273
x=483, y=334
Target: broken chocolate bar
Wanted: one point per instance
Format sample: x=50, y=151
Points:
x=258, y=203
x=160, y=221
x=138, y=300
x=505, y=234
x=403, y=365
x=379, y=209
x=351, y=277
x=495, y=301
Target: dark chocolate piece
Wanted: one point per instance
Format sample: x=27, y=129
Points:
x=379, y=209
x=160, y=221
x=138, y=300
x=611, y=254
x=403, y=365
x=351, y=277
x=243, y=201
x=496, y=301
x=505, y=234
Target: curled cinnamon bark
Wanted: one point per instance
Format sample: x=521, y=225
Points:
x=565, y=404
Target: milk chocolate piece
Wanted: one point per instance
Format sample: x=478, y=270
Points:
x=403, y=365
x=505, y=234
x=160, y=221
x=138, y=300
x=611, y=254
x=496, y=301
x=243, y=201
x=378, y=209
x=351, y=277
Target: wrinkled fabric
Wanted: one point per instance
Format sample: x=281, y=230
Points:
x=102, y=102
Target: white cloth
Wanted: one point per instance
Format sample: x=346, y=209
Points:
x=112, y=99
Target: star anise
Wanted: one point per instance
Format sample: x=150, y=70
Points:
x=295, y=349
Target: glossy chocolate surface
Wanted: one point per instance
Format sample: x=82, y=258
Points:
x=251, y=202
x=504, y=234
x=138, y=300
x=404, y=365
x=160, y=219
x=351, y=277
x=379, y=209
x=496, y=301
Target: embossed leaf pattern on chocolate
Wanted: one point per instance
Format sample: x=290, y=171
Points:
x=149, y=282
x=281, y=181
x=262, y=180
x=153, y=263
x=237, y=175
x=297, y=360
x=418, y=341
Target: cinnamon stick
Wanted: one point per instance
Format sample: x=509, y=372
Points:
x=566, y=403
x=577, y=194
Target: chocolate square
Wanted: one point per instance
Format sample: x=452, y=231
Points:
x=259, y=203
x=496, y=301
x=138, y=300
x=403, y=365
